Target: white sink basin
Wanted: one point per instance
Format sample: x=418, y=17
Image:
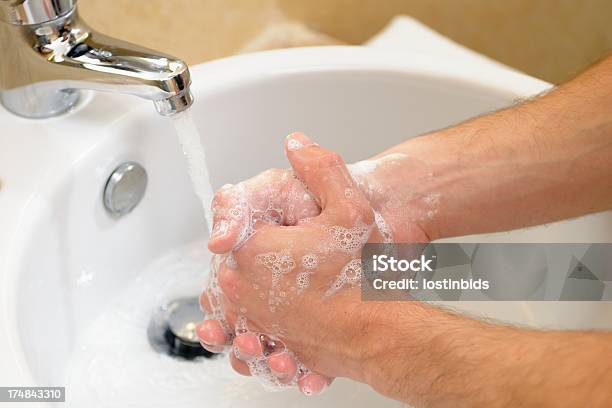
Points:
x=74, y=298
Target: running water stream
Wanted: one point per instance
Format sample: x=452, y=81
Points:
x=194, y=152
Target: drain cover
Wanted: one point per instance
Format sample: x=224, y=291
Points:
x=172, y=329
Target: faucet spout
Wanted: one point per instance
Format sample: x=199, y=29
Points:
x=45, y=64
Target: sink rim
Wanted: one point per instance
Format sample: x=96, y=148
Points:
x=207, y=77
x=490, y=74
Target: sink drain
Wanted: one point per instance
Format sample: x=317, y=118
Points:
x=172, y=329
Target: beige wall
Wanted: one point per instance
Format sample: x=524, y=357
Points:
x=550, y=39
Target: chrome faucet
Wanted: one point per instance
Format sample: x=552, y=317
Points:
x=48, y=54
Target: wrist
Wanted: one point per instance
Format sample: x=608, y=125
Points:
x=331, y=343
x=445, y=180
x=402, y=189
x=361, y=340
x=435, y=349
x=389, y=344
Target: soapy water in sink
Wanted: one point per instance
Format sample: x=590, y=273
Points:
x=114, y=365
x=195, y=154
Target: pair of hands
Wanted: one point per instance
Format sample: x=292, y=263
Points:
x=285, y=277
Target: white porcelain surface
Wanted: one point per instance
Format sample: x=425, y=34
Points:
x=63, y=259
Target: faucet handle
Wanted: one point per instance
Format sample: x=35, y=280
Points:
x=26, y=12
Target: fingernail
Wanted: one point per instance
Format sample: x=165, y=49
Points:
x=312, y=384
x=282, y=378
x=240, y=355
x=209, y=334
x=280, y=360
x=220, y=229
x=212, y=349
x=282, y=365
x=298, y=140
x=248, y=345
x=279, y=375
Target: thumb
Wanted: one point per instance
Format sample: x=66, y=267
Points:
x=326, y=176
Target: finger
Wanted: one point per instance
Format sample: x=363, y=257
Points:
x=212, y=349
x=224, y=235
x=228, y=220
x=313, y=383
x=327, y=177
x=248, y=346
x=229, y=281
x=239, y=209
x=204, y=303
x=211, y=333
x=238, y=365
x=283, y=366
x=217, y=309
x=269, y=240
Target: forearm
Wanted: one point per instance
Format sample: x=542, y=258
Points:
x=541, y=161
x=428, y=357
